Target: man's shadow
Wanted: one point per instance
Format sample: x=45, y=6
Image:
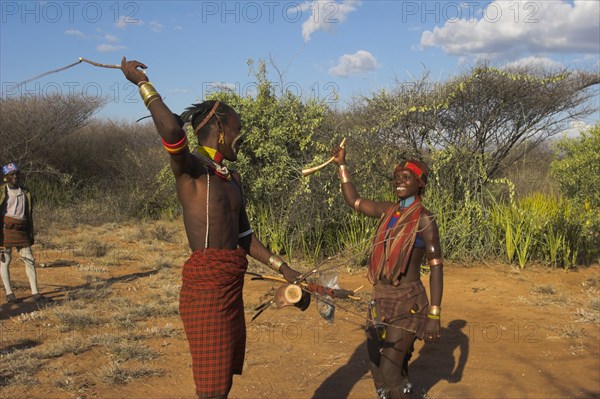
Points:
x=60, y=293
x=435, y=362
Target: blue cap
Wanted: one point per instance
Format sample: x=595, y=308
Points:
x=10, y=168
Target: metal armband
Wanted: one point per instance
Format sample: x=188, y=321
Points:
x=275, y=262
x=435, y=262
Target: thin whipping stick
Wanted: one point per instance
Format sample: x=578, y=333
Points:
x=70, y=66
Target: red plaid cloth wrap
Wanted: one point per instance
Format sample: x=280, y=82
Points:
x=392, y=248
x=212, y=310
x=14, y=233
x=403, y=306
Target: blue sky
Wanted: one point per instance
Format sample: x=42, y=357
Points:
x=332, y=50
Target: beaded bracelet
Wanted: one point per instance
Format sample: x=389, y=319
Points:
x=176, y=148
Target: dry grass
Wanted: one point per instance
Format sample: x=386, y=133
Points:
x=545, y=290
x=114, y=373
x=131, y=350
x=125, y=324
x=592, y=282
x=168, y=330
x=94, y=291
x=73, y=383
x=548, y=295
x=19, y=285
x=113, y=318
x=584, y=316
x=76, y=319
x=71, y=344
x=19, y=368
x=570, y=331
x=595, y=304
x=93, y=249
x=164, y=233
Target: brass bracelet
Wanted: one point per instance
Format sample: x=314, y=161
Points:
x=148, y=96
x=435, y=311
x=435, y=262
x=357, y=204
x=344, y=174
x=433, y=317
x=147, y=91
x=152, y=98
x=275, y=262
x=145, y=88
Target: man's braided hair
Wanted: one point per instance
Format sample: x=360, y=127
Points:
x=196, y=113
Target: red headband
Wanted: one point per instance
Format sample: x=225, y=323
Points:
x=413, y=168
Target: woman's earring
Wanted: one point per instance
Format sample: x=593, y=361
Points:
x=222, y=138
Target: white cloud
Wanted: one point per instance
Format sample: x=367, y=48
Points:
x=111, y=38
x=109, y=48
x=74, y=32
x=576, y=127
x=324, y=14
x=520, y=27
x=532, y=61
x=125, y=21
x=225, y=86
x=179, y=91
x=155, y=26
x=351, y=64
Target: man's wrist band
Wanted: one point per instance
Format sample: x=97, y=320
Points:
x=148, y=93
x=275, y=262
x=344, y=173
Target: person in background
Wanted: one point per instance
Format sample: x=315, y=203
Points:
x=16, y=228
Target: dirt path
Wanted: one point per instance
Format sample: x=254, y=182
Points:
x=508, y=333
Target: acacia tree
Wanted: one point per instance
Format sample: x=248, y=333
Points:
x=473, y=123
x=32, y=126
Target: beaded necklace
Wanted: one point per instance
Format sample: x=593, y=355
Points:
x=404, y=203
x=211, y=159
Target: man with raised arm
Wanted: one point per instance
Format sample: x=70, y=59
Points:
x=218, y=232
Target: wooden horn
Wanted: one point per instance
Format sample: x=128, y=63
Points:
x=293, y=293
x=310, y=171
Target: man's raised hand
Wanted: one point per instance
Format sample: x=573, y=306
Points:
x=132, y=71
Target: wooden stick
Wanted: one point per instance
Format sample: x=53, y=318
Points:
x=113, y=66
x=303, y=284
x=79, y=61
